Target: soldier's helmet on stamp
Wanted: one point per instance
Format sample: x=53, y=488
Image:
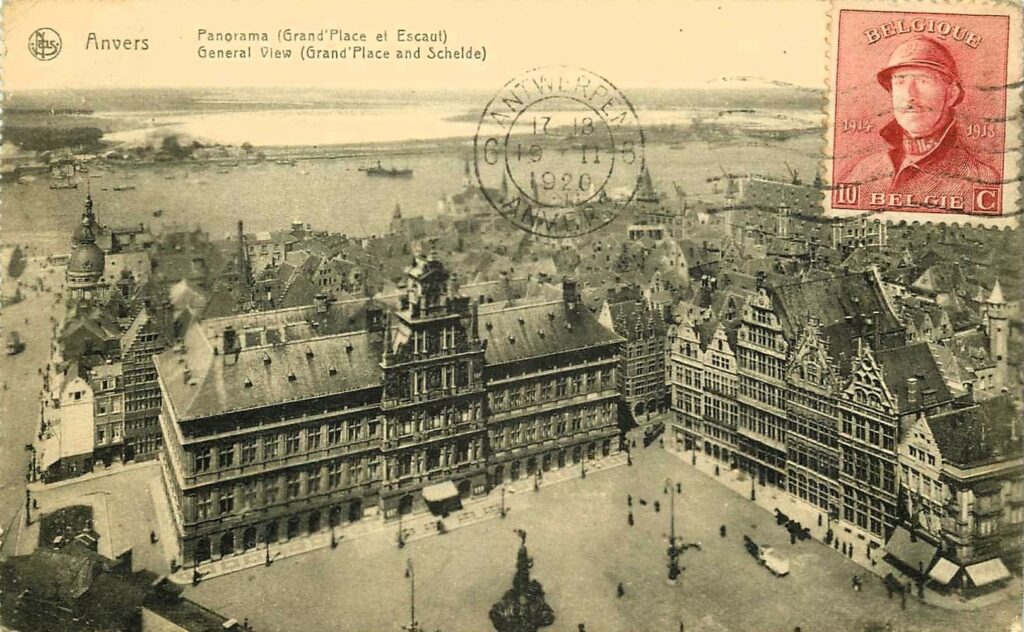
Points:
x=920, y=112
x=923, y=150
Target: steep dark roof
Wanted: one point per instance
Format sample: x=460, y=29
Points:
x=983, y=433
x=913, y=361
x=200, y=382
x=843, y=298
x=539, y=329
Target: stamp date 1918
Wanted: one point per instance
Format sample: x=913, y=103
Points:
x=559, y=152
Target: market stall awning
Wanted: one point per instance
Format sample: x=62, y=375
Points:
x=915, y=555
x=440, y=492
x=987, y=572
x=944, y=571
x=47, y=452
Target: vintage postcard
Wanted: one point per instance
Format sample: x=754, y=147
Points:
x=548, y=315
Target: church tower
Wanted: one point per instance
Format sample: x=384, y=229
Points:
x=85, y=267
x=998, y=333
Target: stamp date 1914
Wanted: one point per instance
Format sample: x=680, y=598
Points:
x=919, y=103
x=559, y=152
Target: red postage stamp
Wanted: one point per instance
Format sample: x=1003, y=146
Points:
x=919, y=105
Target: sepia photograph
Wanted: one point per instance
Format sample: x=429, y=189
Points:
x=536, y=316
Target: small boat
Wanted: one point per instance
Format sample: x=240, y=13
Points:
x=63, y=185
x=124, y=187
x=388, y=172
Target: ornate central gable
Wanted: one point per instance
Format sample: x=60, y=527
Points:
x=866, y=387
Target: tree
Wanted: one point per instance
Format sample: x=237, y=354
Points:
x=523, y=607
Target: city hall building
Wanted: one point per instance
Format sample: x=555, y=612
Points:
x=284, y=423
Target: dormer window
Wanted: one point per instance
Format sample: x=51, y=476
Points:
x=266, y=359
x=309, y=353
x=333, y=370
x=248, y=383
x=291, y=376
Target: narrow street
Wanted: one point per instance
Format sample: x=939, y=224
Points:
x=21, y=373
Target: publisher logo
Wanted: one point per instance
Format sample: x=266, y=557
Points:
x=44, y=44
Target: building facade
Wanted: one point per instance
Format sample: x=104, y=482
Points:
x=282, y=423
x=641, y=374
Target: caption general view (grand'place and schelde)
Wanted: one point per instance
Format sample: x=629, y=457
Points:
x=531, y=365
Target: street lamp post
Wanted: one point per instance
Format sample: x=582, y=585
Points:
x=268, y=561
x=410, y=572
x=673, y=550
x=28, y=507
x=401, y=535
x=503, y=511
x=753, y=492
x=583, y=465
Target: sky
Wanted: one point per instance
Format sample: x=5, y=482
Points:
x=633, y=43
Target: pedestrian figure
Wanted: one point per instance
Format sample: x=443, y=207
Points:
x=657, y=506
x=849, y=551
x=152, y=537
x=643, y=502
x=721, y=530
x=629, y=519
x=716, y=470
x=665, y=490
x=35, y=504
x=620, y=591
x=679, y=488
x=582, y=628
x=836, y=542
x=629, y=500
x=819, y=520
x=661, y=442
x=792, y=538
x=903, y=600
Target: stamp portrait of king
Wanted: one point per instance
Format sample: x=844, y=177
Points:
x=919, y=118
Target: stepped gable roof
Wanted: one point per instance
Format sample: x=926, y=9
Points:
x=200, y=383
x=954, y=369
x=980, y=434
x=629, y=318
x=539, y=329
x=849, y=298
x=913, y=361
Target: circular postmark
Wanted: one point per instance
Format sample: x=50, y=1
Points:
x=559, y=151
x=44, y=43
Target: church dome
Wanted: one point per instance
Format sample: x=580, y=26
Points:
x=86, y=260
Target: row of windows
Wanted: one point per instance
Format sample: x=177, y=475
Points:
x=519, y=395
x=873, y=433
x=273, y=488
x=271, y=446
x=425, y=420
x=561, y=424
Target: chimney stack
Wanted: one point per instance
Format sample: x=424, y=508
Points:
x=320, y=303
x=229, y=341
x=570, y=294
x=913, y=395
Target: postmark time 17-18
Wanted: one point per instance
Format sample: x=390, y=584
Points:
x=919, y=102
x=559, y=151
